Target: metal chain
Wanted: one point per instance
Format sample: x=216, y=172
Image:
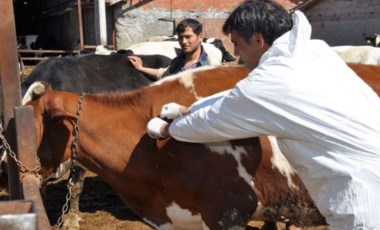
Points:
x=74, y=151
x=21, y=166
x=65, y=207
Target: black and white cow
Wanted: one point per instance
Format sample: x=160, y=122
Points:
x=27, y=42
x=374, y=40
x=92, y=73
x=226, y=56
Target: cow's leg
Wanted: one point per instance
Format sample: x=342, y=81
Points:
x=72, y=218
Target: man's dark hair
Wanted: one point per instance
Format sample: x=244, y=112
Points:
x=192, y=23
x=259, y=16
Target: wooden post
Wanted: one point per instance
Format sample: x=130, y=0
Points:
x=10, y=87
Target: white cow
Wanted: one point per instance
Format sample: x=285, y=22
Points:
x=368, y=55
x=172, y=48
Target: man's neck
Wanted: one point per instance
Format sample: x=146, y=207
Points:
x=193, y=56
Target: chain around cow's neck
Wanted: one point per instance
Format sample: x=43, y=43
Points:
x=74, y=146
x=74, y=151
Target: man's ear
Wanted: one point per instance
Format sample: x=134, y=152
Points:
x=258, y=40
x=201, y=36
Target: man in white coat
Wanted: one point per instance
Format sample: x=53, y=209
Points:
x=326, y=119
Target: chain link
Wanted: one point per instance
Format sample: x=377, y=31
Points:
x=74, y=146
x=23, y=169
x=65, y=207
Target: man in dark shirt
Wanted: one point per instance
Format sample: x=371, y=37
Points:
x=190, y=37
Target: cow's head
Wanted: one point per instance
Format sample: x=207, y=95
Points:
x=53, y=128
x=226, y=56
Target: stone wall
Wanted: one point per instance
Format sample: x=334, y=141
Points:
x=338, y=22
x=137, y=21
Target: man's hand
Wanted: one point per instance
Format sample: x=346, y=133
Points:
x=170, y=111
x=136, y=62
x=157, y=128
x=173, y=110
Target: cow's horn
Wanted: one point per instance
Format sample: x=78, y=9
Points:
x=39, y=90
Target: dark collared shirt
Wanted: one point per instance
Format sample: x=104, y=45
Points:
x=178, y=63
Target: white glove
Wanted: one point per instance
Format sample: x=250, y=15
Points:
x=153, y=128
x=170, y=111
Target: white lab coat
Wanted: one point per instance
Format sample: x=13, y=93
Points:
x=326, y=119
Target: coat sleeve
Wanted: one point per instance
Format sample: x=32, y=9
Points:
x=224, y=117
x=162, y=72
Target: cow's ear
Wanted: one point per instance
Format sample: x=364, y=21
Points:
x=58, y=114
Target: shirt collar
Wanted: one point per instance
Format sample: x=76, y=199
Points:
x=202, y=61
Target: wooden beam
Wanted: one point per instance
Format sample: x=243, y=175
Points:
x=10, y=87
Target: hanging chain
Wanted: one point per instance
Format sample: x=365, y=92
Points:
x=74, y=151
x=23, y=169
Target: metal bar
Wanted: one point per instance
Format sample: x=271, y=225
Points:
x=94, y=46
x=113, y=29
x=100, y=22
x=26, y=148
x=15, y=207
x=10, y=82
x=26, y=143
x=80, y=25
x=46, y=51
x=33, y=58
x=31, y=191
x=17, y=215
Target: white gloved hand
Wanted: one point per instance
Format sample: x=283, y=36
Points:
x=153, y=128
x=170, y=111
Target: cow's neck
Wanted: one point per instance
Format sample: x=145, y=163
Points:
x=186, y=88
x=110, y=126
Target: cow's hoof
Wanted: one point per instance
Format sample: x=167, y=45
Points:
x=71, y=222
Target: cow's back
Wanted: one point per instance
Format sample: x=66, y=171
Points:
x=92, y=73
x=369, y=73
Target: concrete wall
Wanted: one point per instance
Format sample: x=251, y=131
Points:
x=344, y=22
x=338, y=22
x=137, y=21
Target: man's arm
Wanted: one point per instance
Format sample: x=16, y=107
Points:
x=151, y=72
x=229, y=117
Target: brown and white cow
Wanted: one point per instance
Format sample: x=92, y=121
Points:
x=172, y=184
